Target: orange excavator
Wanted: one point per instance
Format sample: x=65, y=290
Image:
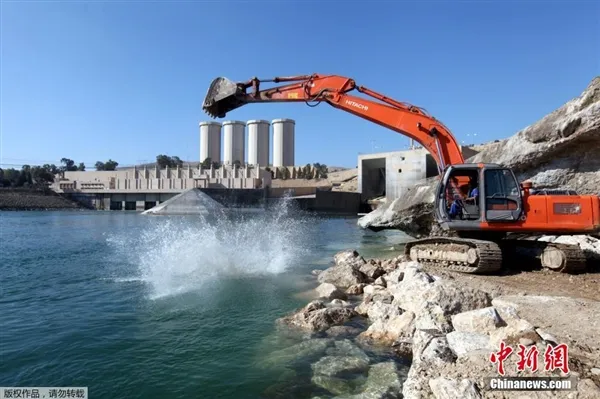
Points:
x=494, y=221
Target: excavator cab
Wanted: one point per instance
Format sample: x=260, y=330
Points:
x=472, y=194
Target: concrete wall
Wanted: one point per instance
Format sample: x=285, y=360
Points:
x=402, y=170
x=162, y=180
x=337, y=201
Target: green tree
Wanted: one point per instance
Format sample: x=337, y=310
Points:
x=81, y=167
x=206, y=163
x=320, y=170
x=108, y=165
x=307, y=172
x=164, y=160
x=68, y=165
x=43, y=175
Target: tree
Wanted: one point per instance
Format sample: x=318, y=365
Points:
x=81, y=167
x=108, y=165
x=307, y=172
x=68, y=165
x=206, y=163
x=43, y=175
x=164, y=160
x=320, y=170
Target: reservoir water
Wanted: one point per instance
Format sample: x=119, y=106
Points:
x=135, y=306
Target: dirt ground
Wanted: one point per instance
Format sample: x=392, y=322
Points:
x=536, y=282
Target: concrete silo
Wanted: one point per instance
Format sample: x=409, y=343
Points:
x=234, y=142
x=210, y=141
x=258, y=142
x=283, y=142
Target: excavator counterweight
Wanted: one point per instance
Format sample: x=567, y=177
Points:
x=482, y=204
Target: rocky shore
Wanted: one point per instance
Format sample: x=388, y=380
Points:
x=23, y=199
x=435, y=332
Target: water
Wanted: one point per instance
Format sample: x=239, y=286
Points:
x=146, y=306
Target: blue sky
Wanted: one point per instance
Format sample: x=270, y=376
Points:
x=126, y=80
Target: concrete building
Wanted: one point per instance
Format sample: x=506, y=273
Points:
x=139, y=189
x=210, y=141
x=283, y=142
x=258, y=142
x=234, y=137
x=390, y=174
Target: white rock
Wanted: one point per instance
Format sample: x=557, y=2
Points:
x=447, y=388
x=483, y=320
x=342, y=276
x=330, y=291
x=372, y=289
x=462, y=343
x=380, y=281
x=513, y=333
x=340, y=303
x=431, y=317
x=388, y=330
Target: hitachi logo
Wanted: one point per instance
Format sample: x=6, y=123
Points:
x=357, y=105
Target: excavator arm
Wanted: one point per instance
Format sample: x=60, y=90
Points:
x=224, y=96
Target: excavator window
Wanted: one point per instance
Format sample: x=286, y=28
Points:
x=462, y=195
x=502, y=195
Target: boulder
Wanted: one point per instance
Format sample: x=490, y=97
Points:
x=463, y=343
x=432, y=348
x=559, y=151
x=355, y=289
x=340, y=302
x=305, y=351
x=343, y=331
x=338, y=366
x=417, y=288
x=373, y=289
x=330, y=291
x=349, y=257
x=317, y=317
x=484, y=320
x=342, y=276
x=388, y=330
x=372, y=270
x=448, y=388
x=346, y=347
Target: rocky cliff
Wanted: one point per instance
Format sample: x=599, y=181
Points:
x=562, y=150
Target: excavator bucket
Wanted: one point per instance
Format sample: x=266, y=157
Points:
x=223, y=96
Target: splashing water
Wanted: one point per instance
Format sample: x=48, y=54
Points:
x=178, y=255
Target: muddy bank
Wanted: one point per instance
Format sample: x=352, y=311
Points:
x=433, y=331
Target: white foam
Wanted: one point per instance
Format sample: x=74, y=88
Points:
x=178, y=255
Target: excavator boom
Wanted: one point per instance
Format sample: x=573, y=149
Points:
x=225, y=95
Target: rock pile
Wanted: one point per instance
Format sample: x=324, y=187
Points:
x=31, y=199
x=447, y=329
x=560, y=151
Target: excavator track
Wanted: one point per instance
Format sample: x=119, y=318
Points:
x=562, y=258
x=457, y=254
